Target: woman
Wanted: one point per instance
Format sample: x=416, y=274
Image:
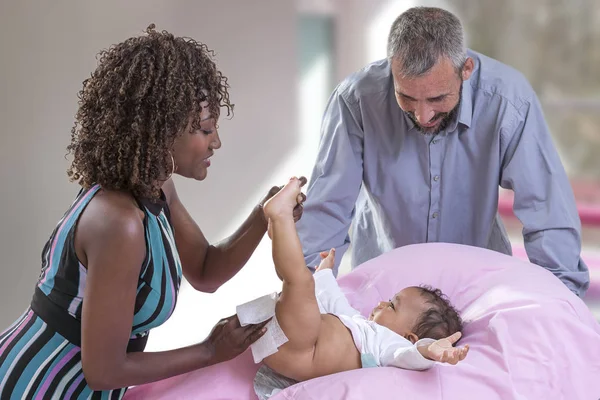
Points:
x=112, y=268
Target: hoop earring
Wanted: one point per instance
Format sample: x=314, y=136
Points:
x=172, y=166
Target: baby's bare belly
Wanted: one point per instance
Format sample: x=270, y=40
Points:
x=333, y=352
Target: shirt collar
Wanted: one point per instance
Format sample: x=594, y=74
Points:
x=465, y=112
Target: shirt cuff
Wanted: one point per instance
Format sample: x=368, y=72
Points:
x=422, y=362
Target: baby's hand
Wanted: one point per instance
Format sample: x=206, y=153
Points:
x=327, y=260
x=443, y=351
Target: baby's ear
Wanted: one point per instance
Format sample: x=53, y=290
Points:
x=411, y=337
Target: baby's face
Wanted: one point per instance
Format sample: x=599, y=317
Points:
x=400, y=313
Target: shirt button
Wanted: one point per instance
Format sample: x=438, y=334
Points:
x=434, y=215
x=436, y=178
x=435, y=141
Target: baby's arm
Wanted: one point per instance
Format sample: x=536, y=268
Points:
x=423, y=354
x=401, y=353
x=330, y=297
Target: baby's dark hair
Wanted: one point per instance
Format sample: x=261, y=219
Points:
x=441, y=319
x=141, y=96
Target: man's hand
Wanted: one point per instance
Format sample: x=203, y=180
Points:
x=443, y=351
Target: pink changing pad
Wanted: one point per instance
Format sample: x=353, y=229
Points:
x=530, y=337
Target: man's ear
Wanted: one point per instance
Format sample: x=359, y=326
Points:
x=467, y=69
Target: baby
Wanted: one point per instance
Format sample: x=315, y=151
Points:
x=326, y=335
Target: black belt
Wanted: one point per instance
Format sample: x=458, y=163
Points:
x=66, y=325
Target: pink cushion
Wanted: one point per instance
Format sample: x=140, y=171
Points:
x=591, y=259
x=228, y=380
x=530, y=337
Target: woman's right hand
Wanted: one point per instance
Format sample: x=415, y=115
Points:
x=228, y=339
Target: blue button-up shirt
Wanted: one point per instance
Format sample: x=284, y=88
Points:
x=402, y=187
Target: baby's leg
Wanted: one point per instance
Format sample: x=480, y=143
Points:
x=297, y=310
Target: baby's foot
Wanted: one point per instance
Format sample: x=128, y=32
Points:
x=283, y=202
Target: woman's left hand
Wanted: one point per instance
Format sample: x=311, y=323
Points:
x=297, y=210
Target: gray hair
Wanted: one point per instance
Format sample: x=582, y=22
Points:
x=421, y=35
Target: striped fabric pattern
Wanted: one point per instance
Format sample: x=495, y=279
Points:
x=38, y=363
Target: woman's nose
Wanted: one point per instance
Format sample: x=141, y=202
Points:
x=216, y=142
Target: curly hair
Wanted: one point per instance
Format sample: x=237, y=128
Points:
x=142, y=95
x=441, y=319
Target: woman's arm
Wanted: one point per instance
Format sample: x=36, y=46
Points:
x=110, y=241
x=208, y=266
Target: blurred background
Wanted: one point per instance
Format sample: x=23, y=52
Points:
x=283, y=58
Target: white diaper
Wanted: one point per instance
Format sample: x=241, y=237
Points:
x=255, y=312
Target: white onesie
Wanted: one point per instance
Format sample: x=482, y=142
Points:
x=378, y=345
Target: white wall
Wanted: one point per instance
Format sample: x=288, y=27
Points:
x=48, y=48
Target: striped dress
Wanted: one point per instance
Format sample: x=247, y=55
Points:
x=40, y=354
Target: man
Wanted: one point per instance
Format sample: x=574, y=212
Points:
x=415, y=147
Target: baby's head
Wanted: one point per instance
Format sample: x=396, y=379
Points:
x=418, y=312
